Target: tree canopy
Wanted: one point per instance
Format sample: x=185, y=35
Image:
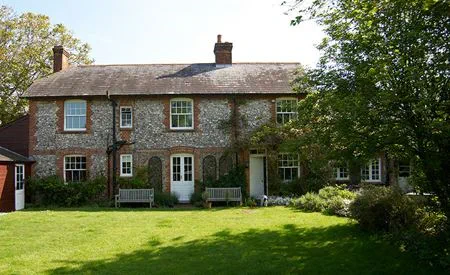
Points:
x=381, y=85
x=26, y=43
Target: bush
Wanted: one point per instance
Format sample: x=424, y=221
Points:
x=311, y=202
x=54, y=191
x=165, y=199
x=383, y=209
x=333, y=200
x=278, y=201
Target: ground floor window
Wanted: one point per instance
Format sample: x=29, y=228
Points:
x=341, y=173
x=288, y=167
x=74, y=168
x=372, y=171
x=126, y=165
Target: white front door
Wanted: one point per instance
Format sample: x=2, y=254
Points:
x=404, y=171
x=182, y=176
x=256, y=176
x=20, y=186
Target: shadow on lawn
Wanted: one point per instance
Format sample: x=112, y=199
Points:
x=122, y=209
x=338, y=249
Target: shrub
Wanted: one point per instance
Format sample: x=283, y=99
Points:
x=197, y=199
x=383, y=208
x=277, y=200
x=165, y=199
x=250, y=202
x=309, y=202
x=54, y=191
x=330, y=192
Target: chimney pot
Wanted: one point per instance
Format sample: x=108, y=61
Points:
x=219, y=38
x=60, y=59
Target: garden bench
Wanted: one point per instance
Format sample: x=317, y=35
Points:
x=224, y=194
x=135, y=195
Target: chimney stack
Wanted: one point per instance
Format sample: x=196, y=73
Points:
x=60, y=59
x=222, y=50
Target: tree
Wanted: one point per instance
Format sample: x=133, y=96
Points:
x=381, y=85
x=26, y=43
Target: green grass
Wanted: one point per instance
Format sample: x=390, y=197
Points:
x=218, y=241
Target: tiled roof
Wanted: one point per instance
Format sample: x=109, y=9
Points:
x=8, y=155
x=157, y=79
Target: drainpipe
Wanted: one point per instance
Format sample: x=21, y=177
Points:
x=113, y=148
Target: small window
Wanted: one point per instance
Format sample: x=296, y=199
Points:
x=126, y=165
x=372, y=171
x=286, y=110
x=74, y=168
x=181, y=114
x=126, y=117
x=20, y=176
x=341, y=173
x=75, y=115
x=288, y=167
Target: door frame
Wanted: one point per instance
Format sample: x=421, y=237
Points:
x=15, y=185
x=181, y=155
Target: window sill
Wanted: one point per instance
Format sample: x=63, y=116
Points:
x=126, y=128
x=182, y=130
x=126, y=176
x=74, y=132
x=372, y=181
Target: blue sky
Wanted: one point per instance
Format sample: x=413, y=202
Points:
x=174, y=31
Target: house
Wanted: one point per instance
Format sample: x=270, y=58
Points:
x=167, y=117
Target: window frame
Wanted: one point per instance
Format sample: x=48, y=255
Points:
x=337, y=173
x=294, y=113
x=122, y=162
x=22, y=179
x=288, y=167
x=64, y=167
x=122, y=126
x=371, y=174
x=192, y=113
x=66, y=115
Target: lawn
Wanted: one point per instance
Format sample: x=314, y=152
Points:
x=221, y=241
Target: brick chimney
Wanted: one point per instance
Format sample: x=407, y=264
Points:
x=60, y=59
x=222, y=50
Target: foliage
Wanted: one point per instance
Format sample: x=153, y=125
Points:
x=279, y=201
x=234, y=178
x=138, y=181
x=26, y=43
x=250, y=202
x=381, y=85
x=198, y=199
x=379, y=208
x=333, y=200
x=165, y=199
x=54, y=191
x=310, y=202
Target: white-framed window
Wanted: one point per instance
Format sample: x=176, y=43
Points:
x=75, y=168
x=20, y=176
x=371, y=172
x=126, y=117
x=288, y=167
x=181, y=114
x=126, y=165
x=75, y=115
x=341, y=173
x=286, y=109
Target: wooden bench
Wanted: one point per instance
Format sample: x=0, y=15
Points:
x=224, y=194
x=135, y=195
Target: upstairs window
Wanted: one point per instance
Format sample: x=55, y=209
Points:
x=181, y=114
x=75, y=115
x=286, y=109
x=74, y=168
x=371, y=172
x=288, y=167
x=126, y=117
x=126, y=165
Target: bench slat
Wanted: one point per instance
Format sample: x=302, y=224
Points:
x=224, y=194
